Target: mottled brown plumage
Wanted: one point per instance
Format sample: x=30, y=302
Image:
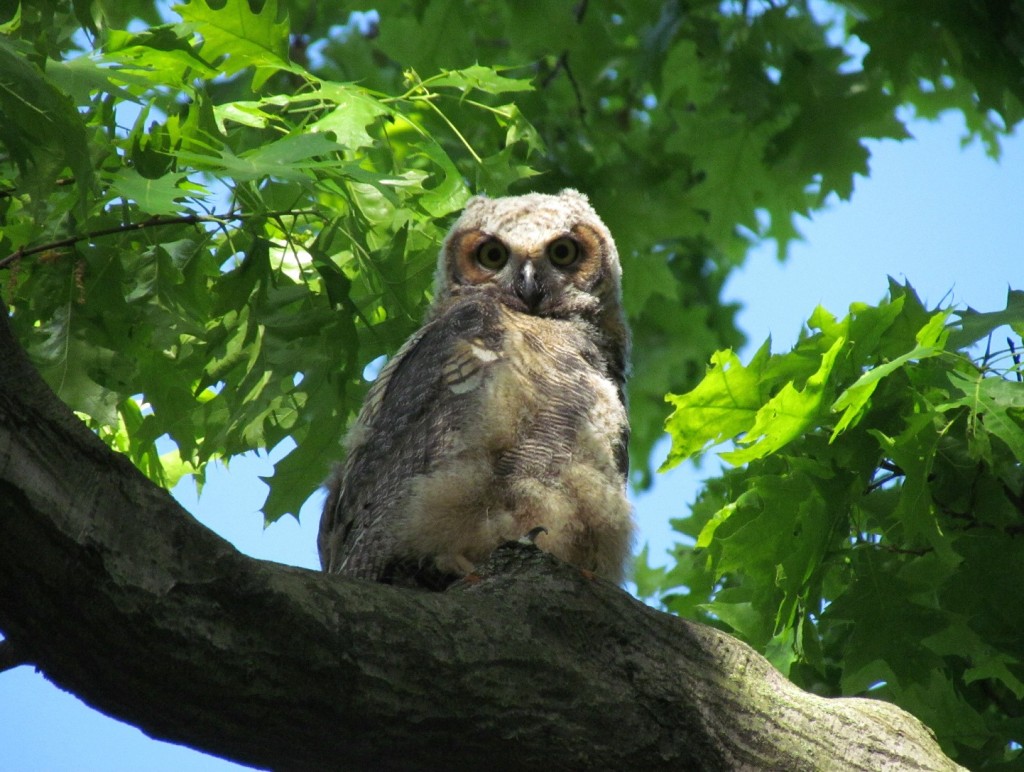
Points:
x=503, y=412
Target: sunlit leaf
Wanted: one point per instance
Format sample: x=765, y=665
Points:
x=243, y=37
x=722, y=406
x=786, y=415
x=480, y=78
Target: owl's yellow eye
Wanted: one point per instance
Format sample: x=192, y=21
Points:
x=492, y=255
x=563, y=252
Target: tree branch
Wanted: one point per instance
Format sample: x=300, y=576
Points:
x=10, y=657
x=152, y=222
x=529, y=664
x=60, y=182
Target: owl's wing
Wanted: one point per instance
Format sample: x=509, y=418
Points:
x=416, y=403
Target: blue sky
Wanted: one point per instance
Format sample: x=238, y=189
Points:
x=948, y=220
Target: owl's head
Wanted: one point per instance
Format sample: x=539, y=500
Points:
x=538, y=254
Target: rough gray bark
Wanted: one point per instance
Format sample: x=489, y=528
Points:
x=119, y=596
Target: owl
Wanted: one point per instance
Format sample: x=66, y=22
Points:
x=504, y=413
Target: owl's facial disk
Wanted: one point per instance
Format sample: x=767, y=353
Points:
x=574, y=267
x=534, y=279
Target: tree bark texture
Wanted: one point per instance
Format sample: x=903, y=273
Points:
x=121, y=597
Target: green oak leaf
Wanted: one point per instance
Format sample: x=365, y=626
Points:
x=724, y=404
x=786, y=415
x=243, y=38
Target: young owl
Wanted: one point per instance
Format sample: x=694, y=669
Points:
x=505, y=411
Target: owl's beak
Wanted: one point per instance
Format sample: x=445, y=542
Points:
x=526, y=286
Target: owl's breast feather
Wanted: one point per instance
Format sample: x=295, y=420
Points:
x=534, y=444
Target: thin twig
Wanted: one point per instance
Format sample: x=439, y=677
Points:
x=152, y=222
x=451, y=126
x=1016, y=358
x=889, y=466
x=988, y=350
x=562, y=65
x=882, y=481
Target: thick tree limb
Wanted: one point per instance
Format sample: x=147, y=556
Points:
x=10, y=657
x=121, y=597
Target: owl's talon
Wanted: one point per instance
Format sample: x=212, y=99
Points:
x=531, y=536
